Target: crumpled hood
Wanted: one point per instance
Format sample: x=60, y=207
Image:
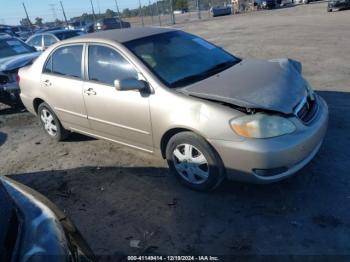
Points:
x=18, y=61
x=275, y=85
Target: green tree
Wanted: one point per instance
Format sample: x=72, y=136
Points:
x=38, y=21
x=58, y=22
x=180, y=4
x=110, y=13
x=24, y=22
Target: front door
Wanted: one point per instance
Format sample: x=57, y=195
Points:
x=122, y=116
x=63, y=84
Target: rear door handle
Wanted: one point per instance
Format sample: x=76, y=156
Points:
x=47, y=83
x=90, y=92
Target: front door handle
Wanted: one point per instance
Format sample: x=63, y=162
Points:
x=90, y=92
x=47, y=83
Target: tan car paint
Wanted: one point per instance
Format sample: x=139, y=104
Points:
x=143, y=119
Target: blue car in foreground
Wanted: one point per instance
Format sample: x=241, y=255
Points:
x=34, y=229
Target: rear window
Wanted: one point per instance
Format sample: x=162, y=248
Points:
x=12, y=46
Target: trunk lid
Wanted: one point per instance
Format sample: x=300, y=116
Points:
x=18, y=61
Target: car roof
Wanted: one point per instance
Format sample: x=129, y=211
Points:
x=124, y=35
x=58, y=31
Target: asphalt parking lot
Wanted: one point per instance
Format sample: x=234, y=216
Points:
x=115, y=194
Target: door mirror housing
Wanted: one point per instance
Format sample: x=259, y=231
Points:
x=130, y=84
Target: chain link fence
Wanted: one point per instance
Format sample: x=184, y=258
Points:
x=168, y=12
x=141, y=12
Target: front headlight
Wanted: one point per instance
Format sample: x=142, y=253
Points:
x=262, y=126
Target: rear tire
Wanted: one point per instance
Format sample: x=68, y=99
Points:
x=50, y=123
x=194, y=162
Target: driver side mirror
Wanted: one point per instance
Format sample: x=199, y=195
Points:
x=130, y=84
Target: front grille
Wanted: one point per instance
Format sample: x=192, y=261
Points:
x=306, y=109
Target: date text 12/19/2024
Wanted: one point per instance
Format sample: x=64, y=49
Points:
x=173, y=258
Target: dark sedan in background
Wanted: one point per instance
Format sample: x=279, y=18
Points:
x=14, y=54
x=34, y=229
x=338, y=5
x=220, y=10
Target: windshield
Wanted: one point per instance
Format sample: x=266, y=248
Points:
x=68, y=34
x=12, y=46
x=179, y=58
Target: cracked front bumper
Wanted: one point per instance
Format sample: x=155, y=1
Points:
x=273, y=159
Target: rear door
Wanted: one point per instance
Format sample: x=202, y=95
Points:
x=63, y=85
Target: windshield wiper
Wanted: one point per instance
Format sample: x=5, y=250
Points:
x=211, y=71
x=187, y=79
x=220, y=67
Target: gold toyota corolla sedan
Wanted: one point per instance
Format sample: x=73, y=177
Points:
x=211, y=114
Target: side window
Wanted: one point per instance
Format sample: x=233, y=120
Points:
x=49, y=40
x=48, y=66
x=66, y=61
x=35, y=41
x=107, y=65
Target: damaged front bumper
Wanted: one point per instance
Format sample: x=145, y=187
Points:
x=273, y=159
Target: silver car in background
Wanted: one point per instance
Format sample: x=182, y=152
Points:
x=173, y=94
x=41, y=41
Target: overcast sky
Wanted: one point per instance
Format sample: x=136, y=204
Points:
x=11, y=11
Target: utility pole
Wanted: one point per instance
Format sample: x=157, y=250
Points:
x=140, y=13
x=160, y=22
x=120, y=17
x=93, y=11
x=198, y=10
x=98, y=6
x=172, y=16
x=54, y=14
x=150, y=7
x=64, y=14
x=28, y=20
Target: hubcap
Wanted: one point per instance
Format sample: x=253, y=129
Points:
x=48, y=122
x=191, y=164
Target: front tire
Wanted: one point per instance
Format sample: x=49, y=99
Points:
x=50, y=123
x=194, y=162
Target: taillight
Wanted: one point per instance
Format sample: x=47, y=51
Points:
x=18, y=78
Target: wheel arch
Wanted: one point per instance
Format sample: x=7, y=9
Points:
x=36, y=103
x=170, y=133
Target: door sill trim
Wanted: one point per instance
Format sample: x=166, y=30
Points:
x=112, y=140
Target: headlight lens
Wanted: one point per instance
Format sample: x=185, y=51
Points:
x=262, y=126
